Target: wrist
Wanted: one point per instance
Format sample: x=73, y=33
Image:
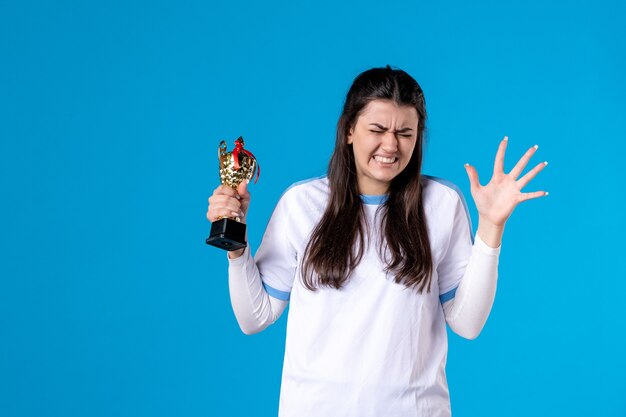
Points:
x=234, y=254
x=490, y=233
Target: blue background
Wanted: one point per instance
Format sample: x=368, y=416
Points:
x=111, y=304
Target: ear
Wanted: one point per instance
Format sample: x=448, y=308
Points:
x=350, y=136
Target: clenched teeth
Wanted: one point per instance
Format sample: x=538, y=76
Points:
x=385, y=160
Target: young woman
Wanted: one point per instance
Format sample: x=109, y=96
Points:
x=375, y=258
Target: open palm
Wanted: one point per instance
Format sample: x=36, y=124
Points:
x=496, y=201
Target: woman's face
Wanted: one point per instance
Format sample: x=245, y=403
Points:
x=383, y=139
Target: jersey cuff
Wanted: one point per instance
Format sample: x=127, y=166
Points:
x=281, y=295
x=486, y=249
x=447, y=296
x=243, y=258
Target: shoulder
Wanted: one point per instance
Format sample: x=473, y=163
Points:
x=311, y=189
x=440, y=192
x=444, y=202
x=310, y=195
x=300, y=207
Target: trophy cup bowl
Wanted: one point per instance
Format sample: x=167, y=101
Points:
x=229, y=233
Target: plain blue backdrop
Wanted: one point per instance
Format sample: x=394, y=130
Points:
x=111, y=304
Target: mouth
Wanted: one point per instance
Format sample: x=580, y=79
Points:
x=385, y=160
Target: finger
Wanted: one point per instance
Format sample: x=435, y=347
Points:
x=225, y=190
x=229, y=203
x=242, y=190
x=473, y=176
x=530, y=196
x=225, y=203
x=498, y=166
x=522, y=182
x=521, y=164
x=218, y=198
x=217, y=214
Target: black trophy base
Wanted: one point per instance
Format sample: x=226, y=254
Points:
x=227, y=234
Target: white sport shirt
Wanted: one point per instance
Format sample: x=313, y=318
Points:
x=373, y=348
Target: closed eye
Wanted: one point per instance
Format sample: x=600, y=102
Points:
x=382, y=131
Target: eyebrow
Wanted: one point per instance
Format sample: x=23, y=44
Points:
x=404, y=129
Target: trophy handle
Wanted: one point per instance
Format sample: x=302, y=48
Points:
x=221, y=153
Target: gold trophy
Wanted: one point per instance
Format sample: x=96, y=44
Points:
x=239, y=165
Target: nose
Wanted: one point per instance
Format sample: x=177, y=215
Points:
x=389, y=142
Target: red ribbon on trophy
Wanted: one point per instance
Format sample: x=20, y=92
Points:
x=239, y=148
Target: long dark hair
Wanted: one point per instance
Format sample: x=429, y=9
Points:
x=337, y=243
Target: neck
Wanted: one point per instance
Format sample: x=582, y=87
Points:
x=372, y=188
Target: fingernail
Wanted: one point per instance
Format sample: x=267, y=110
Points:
x=546, y=193
x=506, y=138
x=247, y=181
x=536, y=146
x=466, y=165
x=545, y=162
x=234, y=213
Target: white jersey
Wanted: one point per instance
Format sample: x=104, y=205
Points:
x=374, y=347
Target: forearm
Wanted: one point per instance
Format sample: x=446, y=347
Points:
x=467, y=312
x=252, y=305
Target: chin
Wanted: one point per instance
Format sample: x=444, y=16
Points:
x=386, y=179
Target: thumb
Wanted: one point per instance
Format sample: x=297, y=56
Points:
x=242, y=190
x=473, y=176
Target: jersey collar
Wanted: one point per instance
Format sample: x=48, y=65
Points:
x=374, y=199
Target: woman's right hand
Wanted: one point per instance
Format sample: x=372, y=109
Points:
x=228, y=202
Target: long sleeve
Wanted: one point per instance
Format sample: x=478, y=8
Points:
x=254, y=308
x=467, y=312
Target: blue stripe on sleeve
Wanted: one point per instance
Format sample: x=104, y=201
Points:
x=447, y=296
x=281, y=295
